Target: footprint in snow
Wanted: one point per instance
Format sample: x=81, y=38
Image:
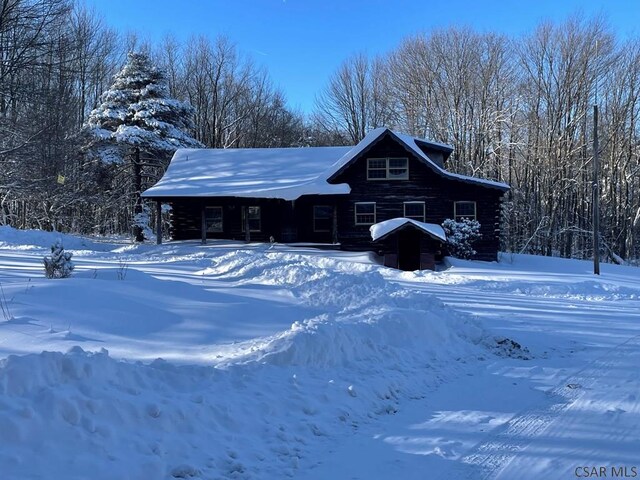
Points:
x=615, y=413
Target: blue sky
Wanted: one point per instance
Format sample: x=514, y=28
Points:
x=301, y=42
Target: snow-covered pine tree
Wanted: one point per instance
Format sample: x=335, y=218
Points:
x=59, y=264
x=139, y=126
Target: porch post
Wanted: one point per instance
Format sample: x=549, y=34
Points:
x=294, y=223
x=204, y=226
x=247, y=232
x=158, y=222
x=334, y=227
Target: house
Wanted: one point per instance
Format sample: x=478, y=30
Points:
x=388, y=194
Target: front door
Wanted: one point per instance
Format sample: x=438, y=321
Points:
x=409, y=249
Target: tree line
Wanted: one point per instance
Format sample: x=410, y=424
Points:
x=515, y=109
x=57, y=59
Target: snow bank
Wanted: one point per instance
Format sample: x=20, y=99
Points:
x=255, y=418
x=375, y=339
x=366, y=316
x=34, y=239
x=259, y=411
x=539, y=276
x=585, y=290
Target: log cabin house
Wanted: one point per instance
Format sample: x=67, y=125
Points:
x=388, y=194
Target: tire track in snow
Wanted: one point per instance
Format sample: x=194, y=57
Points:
x=487, y=459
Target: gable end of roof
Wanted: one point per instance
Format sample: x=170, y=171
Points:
x=352, y=155
x=410, y=144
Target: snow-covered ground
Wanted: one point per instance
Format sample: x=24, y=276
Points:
x=236, y=361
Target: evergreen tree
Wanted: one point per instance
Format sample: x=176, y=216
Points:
x=138, y=126
x=59, y=264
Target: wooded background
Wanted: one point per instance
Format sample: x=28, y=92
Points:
x=517, y=110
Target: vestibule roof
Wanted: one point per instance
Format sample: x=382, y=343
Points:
x=383, y=229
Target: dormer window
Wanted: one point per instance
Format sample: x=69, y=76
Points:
x=388, y=168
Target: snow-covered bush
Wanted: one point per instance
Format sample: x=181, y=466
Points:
x=461, y=235
x=59, y=264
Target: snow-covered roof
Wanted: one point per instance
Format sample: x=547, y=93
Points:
x=285, y=173
x=410, y=143
x=382, y=229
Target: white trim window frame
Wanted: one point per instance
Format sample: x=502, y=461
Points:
x=253, y=217
x=365, y=216
x=388, y=168
x=414, y=216
x=327, y=218
x=459, y=216
x=215, y=222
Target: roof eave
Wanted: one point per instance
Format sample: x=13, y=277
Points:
x=429, y=163
x=371, y=143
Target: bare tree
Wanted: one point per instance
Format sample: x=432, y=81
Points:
x=354, y=101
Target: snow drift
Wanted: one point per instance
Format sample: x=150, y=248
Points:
x=361, y=344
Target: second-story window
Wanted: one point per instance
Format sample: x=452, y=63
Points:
x=391, y=168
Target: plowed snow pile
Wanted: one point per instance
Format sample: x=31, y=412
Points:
x=360, y=346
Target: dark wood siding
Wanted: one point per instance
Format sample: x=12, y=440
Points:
x=304, y=218
x=424, y=184
x=288, y=221
x=186, y=218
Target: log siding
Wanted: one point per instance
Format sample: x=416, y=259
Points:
x=294, y=221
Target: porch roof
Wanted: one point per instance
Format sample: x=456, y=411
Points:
x=383, y=229
x=285, y=173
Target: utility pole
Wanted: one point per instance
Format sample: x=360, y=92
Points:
x=596, y=195
x=596, y=183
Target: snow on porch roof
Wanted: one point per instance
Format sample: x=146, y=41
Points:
x=382, y=229
x=285, y=173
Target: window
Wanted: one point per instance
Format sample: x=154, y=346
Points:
x=213, y=219
x=414, y=210
x=322, y=218
x=365, y=213
x=387, y=169
x=464, y=210
x=376, y=168
x=398, y=169
x=254, y=219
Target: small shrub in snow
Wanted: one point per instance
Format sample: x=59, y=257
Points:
x=59, y=264
x=4, y=305
x=123, y=266
x=461, y=235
